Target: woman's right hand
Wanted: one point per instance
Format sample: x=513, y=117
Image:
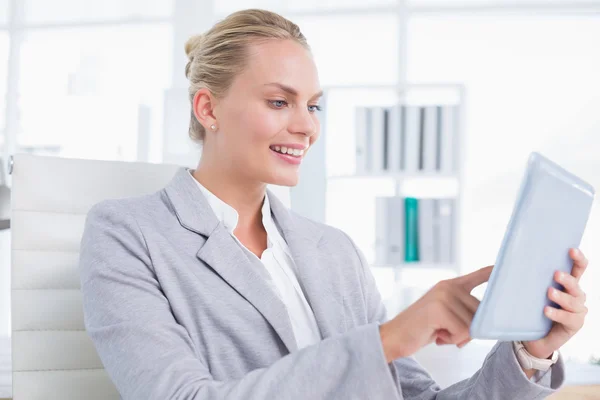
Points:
x=442, y=315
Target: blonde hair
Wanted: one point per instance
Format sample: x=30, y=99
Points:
x=218, y=55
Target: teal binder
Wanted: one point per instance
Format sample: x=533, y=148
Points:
x=411, y=206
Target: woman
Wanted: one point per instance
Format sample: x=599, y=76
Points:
x=212, y=289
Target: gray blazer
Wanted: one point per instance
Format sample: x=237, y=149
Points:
x=177, y=310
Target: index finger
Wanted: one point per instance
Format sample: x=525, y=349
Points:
x=476, y=278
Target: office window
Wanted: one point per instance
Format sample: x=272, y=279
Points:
x=229, y=6
x=43, y=11
x=532, y=84
x=80, y=89
x=4, y=10
x=3, y=72
x=348, y=55
x=466, y=3
x=337, y=4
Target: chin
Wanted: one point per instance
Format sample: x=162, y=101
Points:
x=290, y=179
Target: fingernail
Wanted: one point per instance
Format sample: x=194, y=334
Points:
x=561, y=275
x=549, y=311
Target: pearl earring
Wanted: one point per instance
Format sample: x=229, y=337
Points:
x=213, y=127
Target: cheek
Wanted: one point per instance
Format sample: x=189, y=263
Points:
x=314, y=137
x=261, y=124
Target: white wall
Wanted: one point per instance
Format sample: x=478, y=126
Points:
x=5, y=282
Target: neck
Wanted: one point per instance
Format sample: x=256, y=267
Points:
x=244, y=196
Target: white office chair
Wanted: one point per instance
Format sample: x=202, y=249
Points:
x=52, y=356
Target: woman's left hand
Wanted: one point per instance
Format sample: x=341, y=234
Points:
x=568, y=320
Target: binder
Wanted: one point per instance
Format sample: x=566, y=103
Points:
x=396, y=230
x=430, y=139
x=381, y=231
x=426, y=231
x=411, y=230
x=446, y=217
x=377, y=149
x=412, y=130
x=394, y=139
x=389, y=226
x=448, y=138
x=361, y=126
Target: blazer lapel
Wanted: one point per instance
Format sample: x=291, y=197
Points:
x=224, y=255
x=318, y=272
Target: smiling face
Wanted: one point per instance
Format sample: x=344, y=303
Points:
x=270, y=107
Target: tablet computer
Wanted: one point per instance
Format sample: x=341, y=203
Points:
x=549, y=217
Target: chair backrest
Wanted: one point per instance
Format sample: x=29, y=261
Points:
x=52, y=356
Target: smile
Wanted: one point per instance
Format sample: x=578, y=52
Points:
x=288, y=151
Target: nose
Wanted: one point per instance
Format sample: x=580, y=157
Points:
x=304, y=122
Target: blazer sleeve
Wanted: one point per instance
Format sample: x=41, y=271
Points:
x=500, y=376
x=148, y=355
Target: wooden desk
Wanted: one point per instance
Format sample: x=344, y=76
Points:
x=577, y=393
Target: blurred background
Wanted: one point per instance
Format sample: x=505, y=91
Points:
x=104, y=80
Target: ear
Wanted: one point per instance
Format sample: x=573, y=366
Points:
x=203, y=106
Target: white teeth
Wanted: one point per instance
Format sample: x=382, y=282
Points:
x=289, y=151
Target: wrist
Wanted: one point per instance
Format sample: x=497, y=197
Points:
x=536, y=351
x=388, y=342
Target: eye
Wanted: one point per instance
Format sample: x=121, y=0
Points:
x=278, y=103
x=315, y=109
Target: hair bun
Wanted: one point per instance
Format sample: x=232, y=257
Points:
x=192, y=44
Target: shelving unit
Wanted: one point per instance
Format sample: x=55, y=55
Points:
x=407, y=276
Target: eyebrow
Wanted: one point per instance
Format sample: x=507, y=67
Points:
x=291, y=90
